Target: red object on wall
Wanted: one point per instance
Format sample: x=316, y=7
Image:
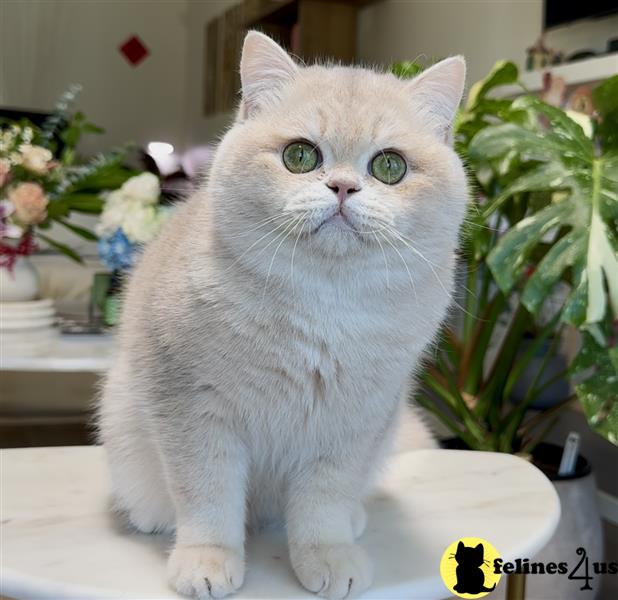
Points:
x=134, y=50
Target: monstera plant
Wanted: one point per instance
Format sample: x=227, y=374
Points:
x=544, y=217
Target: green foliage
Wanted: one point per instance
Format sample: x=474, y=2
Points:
x=544, y=211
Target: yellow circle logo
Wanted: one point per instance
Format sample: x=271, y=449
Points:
x=467, y=568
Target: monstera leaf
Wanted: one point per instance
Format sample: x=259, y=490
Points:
x=576, y=231
x=572, y=237
x=596, y=367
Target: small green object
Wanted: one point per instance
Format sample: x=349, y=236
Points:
x=111, y=312
x=388, y=167
x=301, y=157
x=113, y=300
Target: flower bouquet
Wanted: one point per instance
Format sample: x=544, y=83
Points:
x=131, y=217
x=42, y=181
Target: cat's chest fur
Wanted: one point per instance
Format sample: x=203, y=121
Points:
x=310, y=355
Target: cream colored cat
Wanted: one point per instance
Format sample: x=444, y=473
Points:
x=269, y=334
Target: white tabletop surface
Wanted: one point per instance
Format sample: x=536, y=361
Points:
x=69, y=353
x=60, y=541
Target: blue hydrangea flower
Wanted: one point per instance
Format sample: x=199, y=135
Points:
x=116, y=251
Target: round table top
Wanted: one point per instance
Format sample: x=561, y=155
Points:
x=60, y=540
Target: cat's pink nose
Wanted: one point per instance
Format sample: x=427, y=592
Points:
x=343, y=187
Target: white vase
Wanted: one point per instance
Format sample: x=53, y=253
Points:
x=21, y=283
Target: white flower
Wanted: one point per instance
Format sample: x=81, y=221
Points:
x=35, y=158
x=113, y=213
x=142, y=223
x=144, y=188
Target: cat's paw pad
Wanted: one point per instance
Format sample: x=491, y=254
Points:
x=205, y=571
x=333, y=571
x=359, y=520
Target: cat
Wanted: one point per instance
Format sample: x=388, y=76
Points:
x=269, y=333
x=470, y=576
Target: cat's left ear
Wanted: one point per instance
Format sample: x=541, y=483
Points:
x=265, y=67
x=438, y=91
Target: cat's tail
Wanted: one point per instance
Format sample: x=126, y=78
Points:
x=491, y=589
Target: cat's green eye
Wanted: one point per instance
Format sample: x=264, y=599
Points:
x=301, y=157
x=388, y=167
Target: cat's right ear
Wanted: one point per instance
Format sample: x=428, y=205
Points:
x=460, y=546
x=265, y=68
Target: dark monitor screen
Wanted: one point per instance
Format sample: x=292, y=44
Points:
x=559, y=12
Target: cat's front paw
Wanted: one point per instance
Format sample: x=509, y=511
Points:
x=206, y=571
x=332, y=571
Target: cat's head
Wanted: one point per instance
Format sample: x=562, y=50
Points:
x=339, y=161
x=470, y=556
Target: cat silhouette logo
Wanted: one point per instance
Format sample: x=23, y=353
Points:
x=466, y=569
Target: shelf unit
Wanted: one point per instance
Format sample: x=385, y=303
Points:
x=583, y=71
x=309, y=29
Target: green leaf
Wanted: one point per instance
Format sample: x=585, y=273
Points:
x=503, y=73
x=564, y=253
x=546, y=176
x=86, y=203
x=496, y=141
x=508, y=257
x=561, y=126
x=81, y=231
x=605, y=100
x=406, y=69
x=601, y=257
x=597, y=392
x=57, y=208
x=63, y=248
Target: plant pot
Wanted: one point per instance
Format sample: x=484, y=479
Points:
x=21, y=283
x=579, y=526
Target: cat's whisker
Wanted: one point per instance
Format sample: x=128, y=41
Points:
x=405, y=264
x=286, y=233
x=255, y=243
x=431, y=266
x=259, y=226
x=300, y=232
x=388, y=284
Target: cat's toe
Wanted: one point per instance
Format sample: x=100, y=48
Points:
x=206, y=571
x=332, y=571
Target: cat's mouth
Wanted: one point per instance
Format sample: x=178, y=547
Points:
x=337, y=221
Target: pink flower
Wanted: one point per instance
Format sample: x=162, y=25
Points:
x=30, y=203
x=5, y=170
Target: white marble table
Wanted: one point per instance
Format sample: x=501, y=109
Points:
x=69, y=354
x=59, y=540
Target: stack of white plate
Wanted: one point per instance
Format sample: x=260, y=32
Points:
x=27, y=328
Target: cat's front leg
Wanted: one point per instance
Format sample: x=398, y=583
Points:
x=207, y=468
x=320, y=517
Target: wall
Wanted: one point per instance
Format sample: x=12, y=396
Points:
x=200, y=129
x=483, y=31
x=45, y=45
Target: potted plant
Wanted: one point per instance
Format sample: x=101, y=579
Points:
x=544, y=214
x=42, y=182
